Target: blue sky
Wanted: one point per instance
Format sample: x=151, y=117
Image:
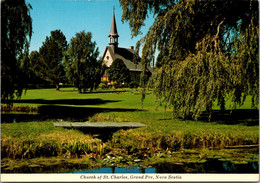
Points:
x=73, y=16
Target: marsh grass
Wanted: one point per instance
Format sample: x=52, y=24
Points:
x=32, y=141
x=133, y=141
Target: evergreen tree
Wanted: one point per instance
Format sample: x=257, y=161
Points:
x=16, y=31
x=49, y=65
x=83, y=68
x=208, y=51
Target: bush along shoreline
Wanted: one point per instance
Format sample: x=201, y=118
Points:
x=19, y=109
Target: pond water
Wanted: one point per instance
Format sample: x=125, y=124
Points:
x=108, y=170
x=210, y=166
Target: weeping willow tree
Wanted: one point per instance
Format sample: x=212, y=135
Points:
x=16, y=32
x=208, y=51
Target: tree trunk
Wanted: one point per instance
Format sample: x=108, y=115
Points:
x=222, y=103
x=57, y=87
x=209, y=110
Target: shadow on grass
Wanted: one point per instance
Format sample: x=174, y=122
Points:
x=96, y=91
x=105, y=91
x=248, y=117
x=95, y=101
x=59, y=113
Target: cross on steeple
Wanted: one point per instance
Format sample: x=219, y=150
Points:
x=113, y=35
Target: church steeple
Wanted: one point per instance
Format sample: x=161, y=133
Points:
x=113, y=35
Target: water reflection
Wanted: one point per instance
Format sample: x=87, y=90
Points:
x=119, y=170
x=211, y=166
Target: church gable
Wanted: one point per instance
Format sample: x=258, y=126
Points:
x=107, y=57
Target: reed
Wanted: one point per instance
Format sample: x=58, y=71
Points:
x=136, y=140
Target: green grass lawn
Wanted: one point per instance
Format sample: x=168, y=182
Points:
x=125, y=105
x=39, y=137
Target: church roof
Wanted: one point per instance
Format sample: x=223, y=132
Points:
x=113, y=29
x=127, y=55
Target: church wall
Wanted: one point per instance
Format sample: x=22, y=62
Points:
x=108, y=59
x=135, y=76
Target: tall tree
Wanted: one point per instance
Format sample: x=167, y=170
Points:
x=118, y=72
x=208, y=51
x=83, y=68
x=16, y=31
x=33, y=74
x=50, y=65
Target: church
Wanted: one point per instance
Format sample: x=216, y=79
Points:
x=127, y=55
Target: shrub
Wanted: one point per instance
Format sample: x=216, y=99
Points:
x=103, y=86
x=118, y=73
x=19, y=108
x=134, y=84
